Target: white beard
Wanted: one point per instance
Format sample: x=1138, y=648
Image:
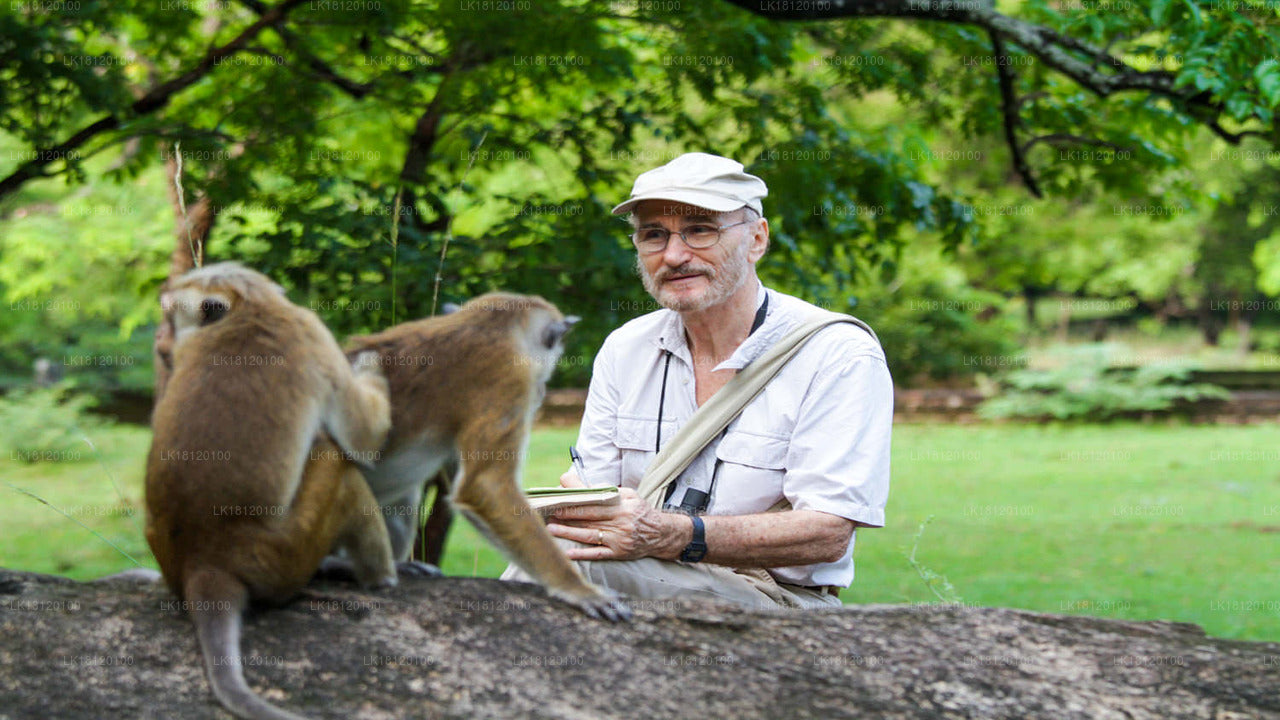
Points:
x=721, y=284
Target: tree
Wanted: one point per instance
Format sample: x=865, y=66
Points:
x=1162, y=63
x=1233, y=258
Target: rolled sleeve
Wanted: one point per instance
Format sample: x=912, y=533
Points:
x=838, y=459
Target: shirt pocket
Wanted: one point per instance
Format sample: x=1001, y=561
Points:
x=752, y=468
x=634, y=438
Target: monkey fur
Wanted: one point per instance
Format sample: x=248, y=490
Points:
x=464, y=389
x=259, y=389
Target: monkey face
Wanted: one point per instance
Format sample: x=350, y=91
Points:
x=205, y=295
x=537, y=326
x=546, y=331
x=555, y=331
x=191, y=308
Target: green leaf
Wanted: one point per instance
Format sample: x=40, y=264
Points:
x=1267, y=75
x=1195, y=11
x=1159, y=8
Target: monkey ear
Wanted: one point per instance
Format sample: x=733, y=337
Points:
x=557, y=329
x=212, y=309
x=450, y=308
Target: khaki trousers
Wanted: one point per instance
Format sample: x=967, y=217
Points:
x=650, y=579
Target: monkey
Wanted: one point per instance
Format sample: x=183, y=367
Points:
x=258, y=384
x=464, y=388
x=502, y=366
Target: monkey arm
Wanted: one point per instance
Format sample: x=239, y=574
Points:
x=358, y=416
x=632, y=530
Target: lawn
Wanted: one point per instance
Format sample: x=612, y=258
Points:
x=1135, y=521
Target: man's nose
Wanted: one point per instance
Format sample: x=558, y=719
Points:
x=677, y=252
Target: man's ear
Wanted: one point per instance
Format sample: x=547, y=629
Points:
x=759, y=241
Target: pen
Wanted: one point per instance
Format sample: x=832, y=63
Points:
x=577, y=464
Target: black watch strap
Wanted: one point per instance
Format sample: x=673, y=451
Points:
x=697, y=548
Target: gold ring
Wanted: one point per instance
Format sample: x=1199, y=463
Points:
x=599, y=537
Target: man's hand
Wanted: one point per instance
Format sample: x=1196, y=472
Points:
x=626, y=531
x=571, y=479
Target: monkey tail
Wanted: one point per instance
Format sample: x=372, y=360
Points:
x=216, y=601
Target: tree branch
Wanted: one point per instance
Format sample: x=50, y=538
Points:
x=1009, y=109
x=319, y=67
x=963, y=11
x=1102, y=73
x=155, y=99
x=423, y=137
x=1234, y=138
x=1067, y=139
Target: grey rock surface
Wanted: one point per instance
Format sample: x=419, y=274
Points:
x=475, y=648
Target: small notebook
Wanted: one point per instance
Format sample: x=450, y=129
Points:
x=548, y=499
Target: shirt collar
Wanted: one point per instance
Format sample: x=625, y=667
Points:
x=759, y=341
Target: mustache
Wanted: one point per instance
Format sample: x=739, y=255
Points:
x=687, y=269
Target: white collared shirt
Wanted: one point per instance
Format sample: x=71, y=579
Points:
x=817, y=435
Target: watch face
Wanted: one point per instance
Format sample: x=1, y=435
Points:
x=694, y=552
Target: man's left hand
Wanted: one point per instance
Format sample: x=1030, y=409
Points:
x=625, y=531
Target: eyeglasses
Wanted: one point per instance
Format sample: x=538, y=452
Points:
x=652, y=240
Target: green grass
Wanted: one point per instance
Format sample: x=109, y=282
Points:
x=1173, y=522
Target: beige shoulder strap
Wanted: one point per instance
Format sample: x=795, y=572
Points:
x=716, y=414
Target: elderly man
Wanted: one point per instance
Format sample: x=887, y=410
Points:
x=816, y=436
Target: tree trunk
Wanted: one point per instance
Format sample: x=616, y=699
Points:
x=1244, y=325
x=1064, y=319
x=190, y=236
x=429, y=546
x=1233, y=311
x=1210, y=328
x=455, y=648
x=1029, y=296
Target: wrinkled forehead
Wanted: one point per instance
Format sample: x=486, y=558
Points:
x=656, y=212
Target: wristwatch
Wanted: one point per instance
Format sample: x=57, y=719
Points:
x=697, y=548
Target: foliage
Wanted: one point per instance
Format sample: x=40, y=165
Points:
x=933, y=323
x=1086, y=387
x=47, y=425
x=508, y=135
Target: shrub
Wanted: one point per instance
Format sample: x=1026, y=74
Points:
x=937, y=330
x=1085, y=387
x=47, y=424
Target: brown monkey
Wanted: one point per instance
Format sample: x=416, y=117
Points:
x=231, y=518
x=464, y=389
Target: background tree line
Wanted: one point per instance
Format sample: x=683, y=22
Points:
x=936, y=166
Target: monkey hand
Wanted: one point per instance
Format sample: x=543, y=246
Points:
x=344, y=569
x=417, y=569
x=369, y=363
x=599, y=603
x=628, y=530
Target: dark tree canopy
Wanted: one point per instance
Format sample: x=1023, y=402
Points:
x=340, y=144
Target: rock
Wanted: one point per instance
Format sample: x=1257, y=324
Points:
x=476, y=648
